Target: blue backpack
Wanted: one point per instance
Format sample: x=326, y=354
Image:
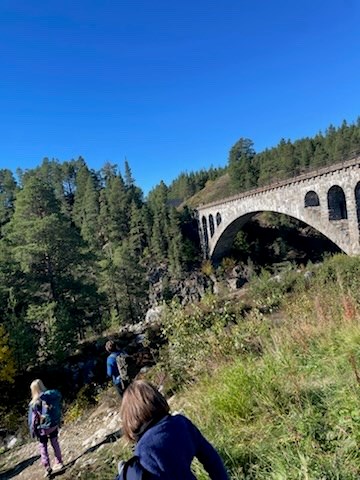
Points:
x=45, y=413
x=50, y=409
x=132, y=470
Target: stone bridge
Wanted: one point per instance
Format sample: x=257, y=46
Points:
x=327, y=199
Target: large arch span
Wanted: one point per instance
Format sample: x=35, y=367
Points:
x=226, y=240
x=328, y=200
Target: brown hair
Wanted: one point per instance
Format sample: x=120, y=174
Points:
x=110, y=346
x=142, y=406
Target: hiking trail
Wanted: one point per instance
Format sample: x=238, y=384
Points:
x=81, y=442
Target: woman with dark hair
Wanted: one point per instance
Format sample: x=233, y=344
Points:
x=165, y=444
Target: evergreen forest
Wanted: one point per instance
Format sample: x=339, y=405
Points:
x=78, y=247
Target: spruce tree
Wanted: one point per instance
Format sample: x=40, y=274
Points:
x=137, y=239
x=7, y=196
x=175, y=244
x=242, y=169
x=90, y=214
x=129, y=179
x=49, y=253
x=82, y=177
x=118, y=208
x=132, y=291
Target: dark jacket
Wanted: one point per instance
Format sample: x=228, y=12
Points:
x=167, y=449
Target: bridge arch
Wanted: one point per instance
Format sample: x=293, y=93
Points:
x=225, y=240
x=218, y=219
x=311, y=199
x=337, y=203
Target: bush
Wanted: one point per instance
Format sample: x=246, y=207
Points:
x=86, y=398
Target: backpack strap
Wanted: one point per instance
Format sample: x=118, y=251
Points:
x=133, y=470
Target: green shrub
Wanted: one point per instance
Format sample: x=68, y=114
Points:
x=86, y=398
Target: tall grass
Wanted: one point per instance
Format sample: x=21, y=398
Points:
x=291, y=409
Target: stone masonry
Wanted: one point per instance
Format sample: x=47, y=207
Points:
x=327, y=199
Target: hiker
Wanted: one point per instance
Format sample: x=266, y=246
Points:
x=115, y=362
x=165, y=445
x=44, y=419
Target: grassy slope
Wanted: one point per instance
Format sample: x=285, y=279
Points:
x=292, y=412
x=213, y=190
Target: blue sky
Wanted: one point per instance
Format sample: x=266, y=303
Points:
x=171, y=85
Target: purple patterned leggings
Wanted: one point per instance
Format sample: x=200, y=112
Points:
x=52, y=434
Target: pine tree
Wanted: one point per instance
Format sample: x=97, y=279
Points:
x=158, y=241
x=118, y=207
x=157, y=202
x=129, y=179
x=69, y=178
x=241, y=167
x=132, y=290
x=137, y=239
x=82, y=177
x=108, y=283
x=108, y=173
x=286, y=159
x=103, y=219
x=7, y=364
x=175, y=244
x=7, y=196
x=49, y=250
x=90, y=213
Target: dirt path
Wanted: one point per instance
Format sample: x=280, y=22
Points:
x=80, y=443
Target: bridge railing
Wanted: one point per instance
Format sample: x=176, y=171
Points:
x=309, y=173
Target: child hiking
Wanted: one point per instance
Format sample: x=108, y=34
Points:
x=116, y=367
x=44, y=419
x=165, y=444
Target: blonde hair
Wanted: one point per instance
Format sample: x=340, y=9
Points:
x=142, y=405
x=37, y=388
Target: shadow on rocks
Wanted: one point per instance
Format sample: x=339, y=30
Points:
x=112, y=437
x=18, y=468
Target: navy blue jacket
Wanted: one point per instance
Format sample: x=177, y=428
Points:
x=167, y=449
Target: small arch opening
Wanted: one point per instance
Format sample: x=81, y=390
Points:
x=337, y=203
x=312, y=199
x=205, y=233
x=218, y=219
x=211, y=225
x=357, y=201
